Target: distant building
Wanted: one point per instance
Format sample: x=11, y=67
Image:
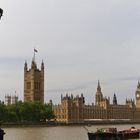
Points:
x=34, y=82
x=7, y=99
x=73, y=109
x=14, y=99
x=11, y=99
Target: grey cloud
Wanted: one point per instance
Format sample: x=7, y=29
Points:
x=79, y=41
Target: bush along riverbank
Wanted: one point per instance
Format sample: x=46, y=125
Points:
x=25, y=112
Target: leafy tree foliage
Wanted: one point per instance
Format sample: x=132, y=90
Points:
x=25, y=112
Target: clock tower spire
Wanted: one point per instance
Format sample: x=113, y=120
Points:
x=137, y=95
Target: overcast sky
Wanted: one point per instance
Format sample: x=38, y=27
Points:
x=80, y=42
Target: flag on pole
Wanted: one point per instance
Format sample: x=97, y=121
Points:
x=35, y=50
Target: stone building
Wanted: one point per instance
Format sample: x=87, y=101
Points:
x=70, y=110
x=74, y=110
x=34, y=82
x=7, y=99
x=11, y=99
x=14, y=99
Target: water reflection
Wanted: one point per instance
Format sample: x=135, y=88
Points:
x=54, y=133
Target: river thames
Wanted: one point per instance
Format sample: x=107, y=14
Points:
x=55, y=133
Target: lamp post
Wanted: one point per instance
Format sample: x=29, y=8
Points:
x=1, y=13
x=1, y=130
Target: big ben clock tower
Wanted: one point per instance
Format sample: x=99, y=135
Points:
x=137, y=95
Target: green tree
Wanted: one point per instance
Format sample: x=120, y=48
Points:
x=25, y=112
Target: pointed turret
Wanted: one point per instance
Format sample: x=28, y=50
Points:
x=138, y=85
x=25, y=66
x=99, y=95
x=99, y=87
x=114, y=99
x=42, y=65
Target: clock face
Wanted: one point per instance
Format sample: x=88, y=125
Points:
x=138, y=95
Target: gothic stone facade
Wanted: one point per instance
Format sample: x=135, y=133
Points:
x=34, y=82
x=73, y=109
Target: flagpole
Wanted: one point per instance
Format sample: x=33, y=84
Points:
x=34, y=55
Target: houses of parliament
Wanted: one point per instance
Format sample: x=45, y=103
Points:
x=73, y=109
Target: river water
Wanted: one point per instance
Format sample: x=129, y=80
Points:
x=55, y=133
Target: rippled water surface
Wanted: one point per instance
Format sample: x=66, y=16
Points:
x=54, y=133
